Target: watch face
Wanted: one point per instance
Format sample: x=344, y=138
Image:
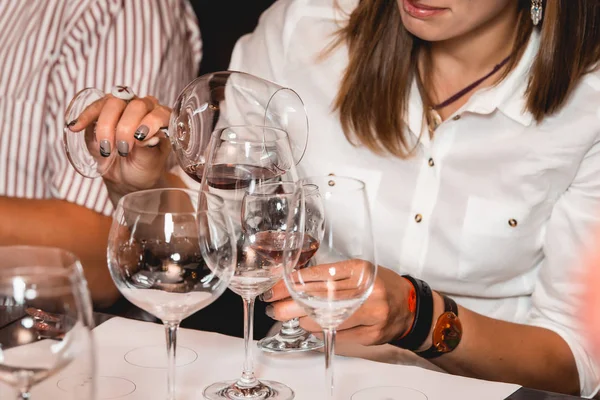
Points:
x=447, y=332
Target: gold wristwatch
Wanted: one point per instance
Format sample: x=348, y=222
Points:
x=447, y=332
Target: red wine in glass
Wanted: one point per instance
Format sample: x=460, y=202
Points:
x=270, y=244
x=195, y=171
x=232, y=176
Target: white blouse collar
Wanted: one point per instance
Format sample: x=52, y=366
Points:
x=508, y=96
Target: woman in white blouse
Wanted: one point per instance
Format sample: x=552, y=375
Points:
x=477, y=134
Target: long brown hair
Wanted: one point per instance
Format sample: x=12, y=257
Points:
x=383, y=63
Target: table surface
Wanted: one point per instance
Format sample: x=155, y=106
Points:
x=521, y=394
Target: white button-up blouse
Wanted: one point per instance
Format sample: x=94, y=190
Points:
x=495, y=211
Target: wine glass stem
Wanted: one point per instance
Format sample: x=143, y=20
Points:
x=291, y=327
x=329, y=339
x=248, y=379
x=171, y=335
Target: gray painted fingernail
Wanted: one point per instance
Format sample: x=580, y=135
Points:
x=266, y=296
x=270, y=312
x=141, y=133
x=123, y=148
x=104, y=148
x=72, y=123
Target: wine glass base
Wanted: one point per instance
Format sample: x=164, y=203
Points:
x=107, y=387
x=280, y=343
x=156, y=357
x=264, y=390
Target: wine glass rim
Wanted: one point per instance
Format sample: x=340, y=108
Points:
x=306, y=121
x=310, y=189
x=217, y=133
x=190, y=192
x=33, y=248
x=295, y=185
x=210, y=75
x=360, y=185
x=71, y=267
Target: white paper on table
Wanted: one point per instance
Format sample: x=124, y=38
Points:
x=220, y=358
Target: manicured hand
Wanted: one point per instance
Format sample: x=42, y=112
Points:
x=383, y=317
x=132, y=129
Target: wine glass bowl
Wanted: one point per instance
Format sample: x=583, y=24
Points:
x=228, y=98
x=47, y=317
x=83, y=148
x=245, y=155
x=158, y=257
x=265, y=216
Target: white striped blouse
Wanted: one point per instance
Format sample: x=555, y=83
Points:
x=51, y=49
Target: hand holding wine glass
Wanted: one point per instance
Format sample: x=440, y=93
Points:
x=124, y=138
x=99, y=137
x=383, y=317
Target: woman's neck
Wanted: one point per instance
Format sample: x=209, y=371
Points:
x=454, y=64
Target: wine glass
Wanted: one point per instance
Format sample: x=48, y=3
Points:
x=170, y=256
x=345, y=268
x=45, y=315
x=244, y=161
x=208, y=103
x=291, y=337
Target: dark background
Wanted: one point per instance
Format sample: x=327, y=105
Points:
x=222, y=22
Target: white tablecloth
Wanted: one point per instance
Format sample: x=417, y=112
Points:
x=207, y=357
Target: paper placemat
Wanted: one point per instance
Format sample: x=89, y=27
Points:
x=131, y=355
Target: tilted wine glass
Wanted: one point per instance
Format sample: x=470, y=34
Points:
x=46, y=315
x=291, y=337
x=208, y=103
x=244, y=161
x=171, y=256
x=344, y=269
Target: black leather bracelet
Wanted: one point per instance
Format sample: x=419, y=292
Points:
x=419, y=331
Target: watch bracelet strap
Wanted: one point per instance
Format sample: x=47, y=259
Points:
x=432, y=352
x=421, y=326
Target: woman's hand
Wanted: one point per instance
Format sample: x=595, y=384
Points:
x=382, y=318
x=132, y=130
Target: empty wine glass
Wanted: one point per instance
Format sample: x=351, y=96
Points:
x=208, y=103
x=291, y=337
x=171, y=257
x=244, y=161
x=45, y=317
x=345, y=268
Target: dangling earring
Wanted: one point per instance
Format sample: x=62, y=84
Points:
x=536, y=11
